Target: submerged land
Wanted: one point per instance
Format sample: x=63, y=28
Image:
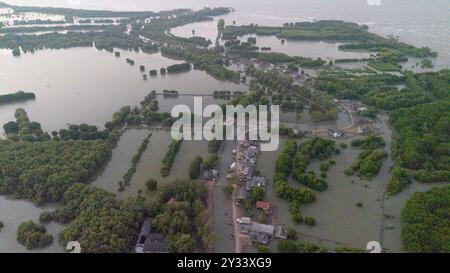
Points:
x=364, y=155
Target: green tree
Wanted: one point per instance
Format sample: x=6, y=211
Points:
x=195, y=168
x=32, y=235
x=151, y=184
x=181, y=243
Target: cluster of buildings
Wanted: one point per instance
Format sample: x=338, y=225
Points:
x=8, y=17
x=364, y=125
x=243, y=166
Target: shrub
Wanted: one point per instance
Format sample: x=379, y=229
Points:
x=33, y=236
x=291, y=234
x=45, y=217
x=297, y=218
x=310, y=221
x=151, y=184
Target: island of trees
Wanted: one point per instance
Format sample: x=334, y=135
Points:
x=19, y=96
x=370, y=160
x=355, y=37
x=32, y=235
x=283, y=169
x=169, y=158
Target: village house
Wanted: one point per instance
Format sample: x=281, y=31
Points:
x=266, y=207
x=261, y=233
x=150, y=242
x=210, y=175
x=255, y=182
x=241, y=195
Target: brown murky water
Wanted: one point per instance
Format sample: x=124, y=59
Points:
x=84, y=85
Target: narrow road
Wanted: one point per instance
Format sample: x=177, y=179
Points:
x=237, y=244
x=221, y=205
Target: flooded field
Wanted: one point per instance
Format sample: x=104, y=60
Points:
x=339, y=220
x=94, y=80
x=85, y=85
x=150, y=163
x=312, y=49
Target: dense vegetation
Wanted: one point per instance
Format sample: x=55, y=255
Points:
x=108, y=39
x=16, y=97
x=32, y=235
x=283, y=168
x=381, y=90
x=317, y=148
x=81, y=132
x=426, y=221
x=134, y=162
x=209, y=61
x=195, y=168
x=42, y=171
x=291, y=246
x=178, y=68
x=370, y=160
x=151, y=184
x=211, y=162
x=100, y=222
x=421, y=147
x=180, y=213
x=108, y=36
x=356, y=37
x=321, y=30
x=169, y=158
x=276, y=57
x=158, y=29
x=24, y=129
x=282, y=91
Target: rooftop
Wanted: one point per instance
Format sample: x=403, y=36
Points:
x=264, y=205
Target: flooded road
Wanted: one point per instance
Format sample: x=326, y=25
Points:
x=222, y=205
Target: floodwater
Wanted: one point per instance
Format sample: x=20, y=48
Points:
x=15, y=212
x=312, y=49
x=85, y=85
x=150, y=164
x=401, y=18
x=222, y=206
x=339, y=221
